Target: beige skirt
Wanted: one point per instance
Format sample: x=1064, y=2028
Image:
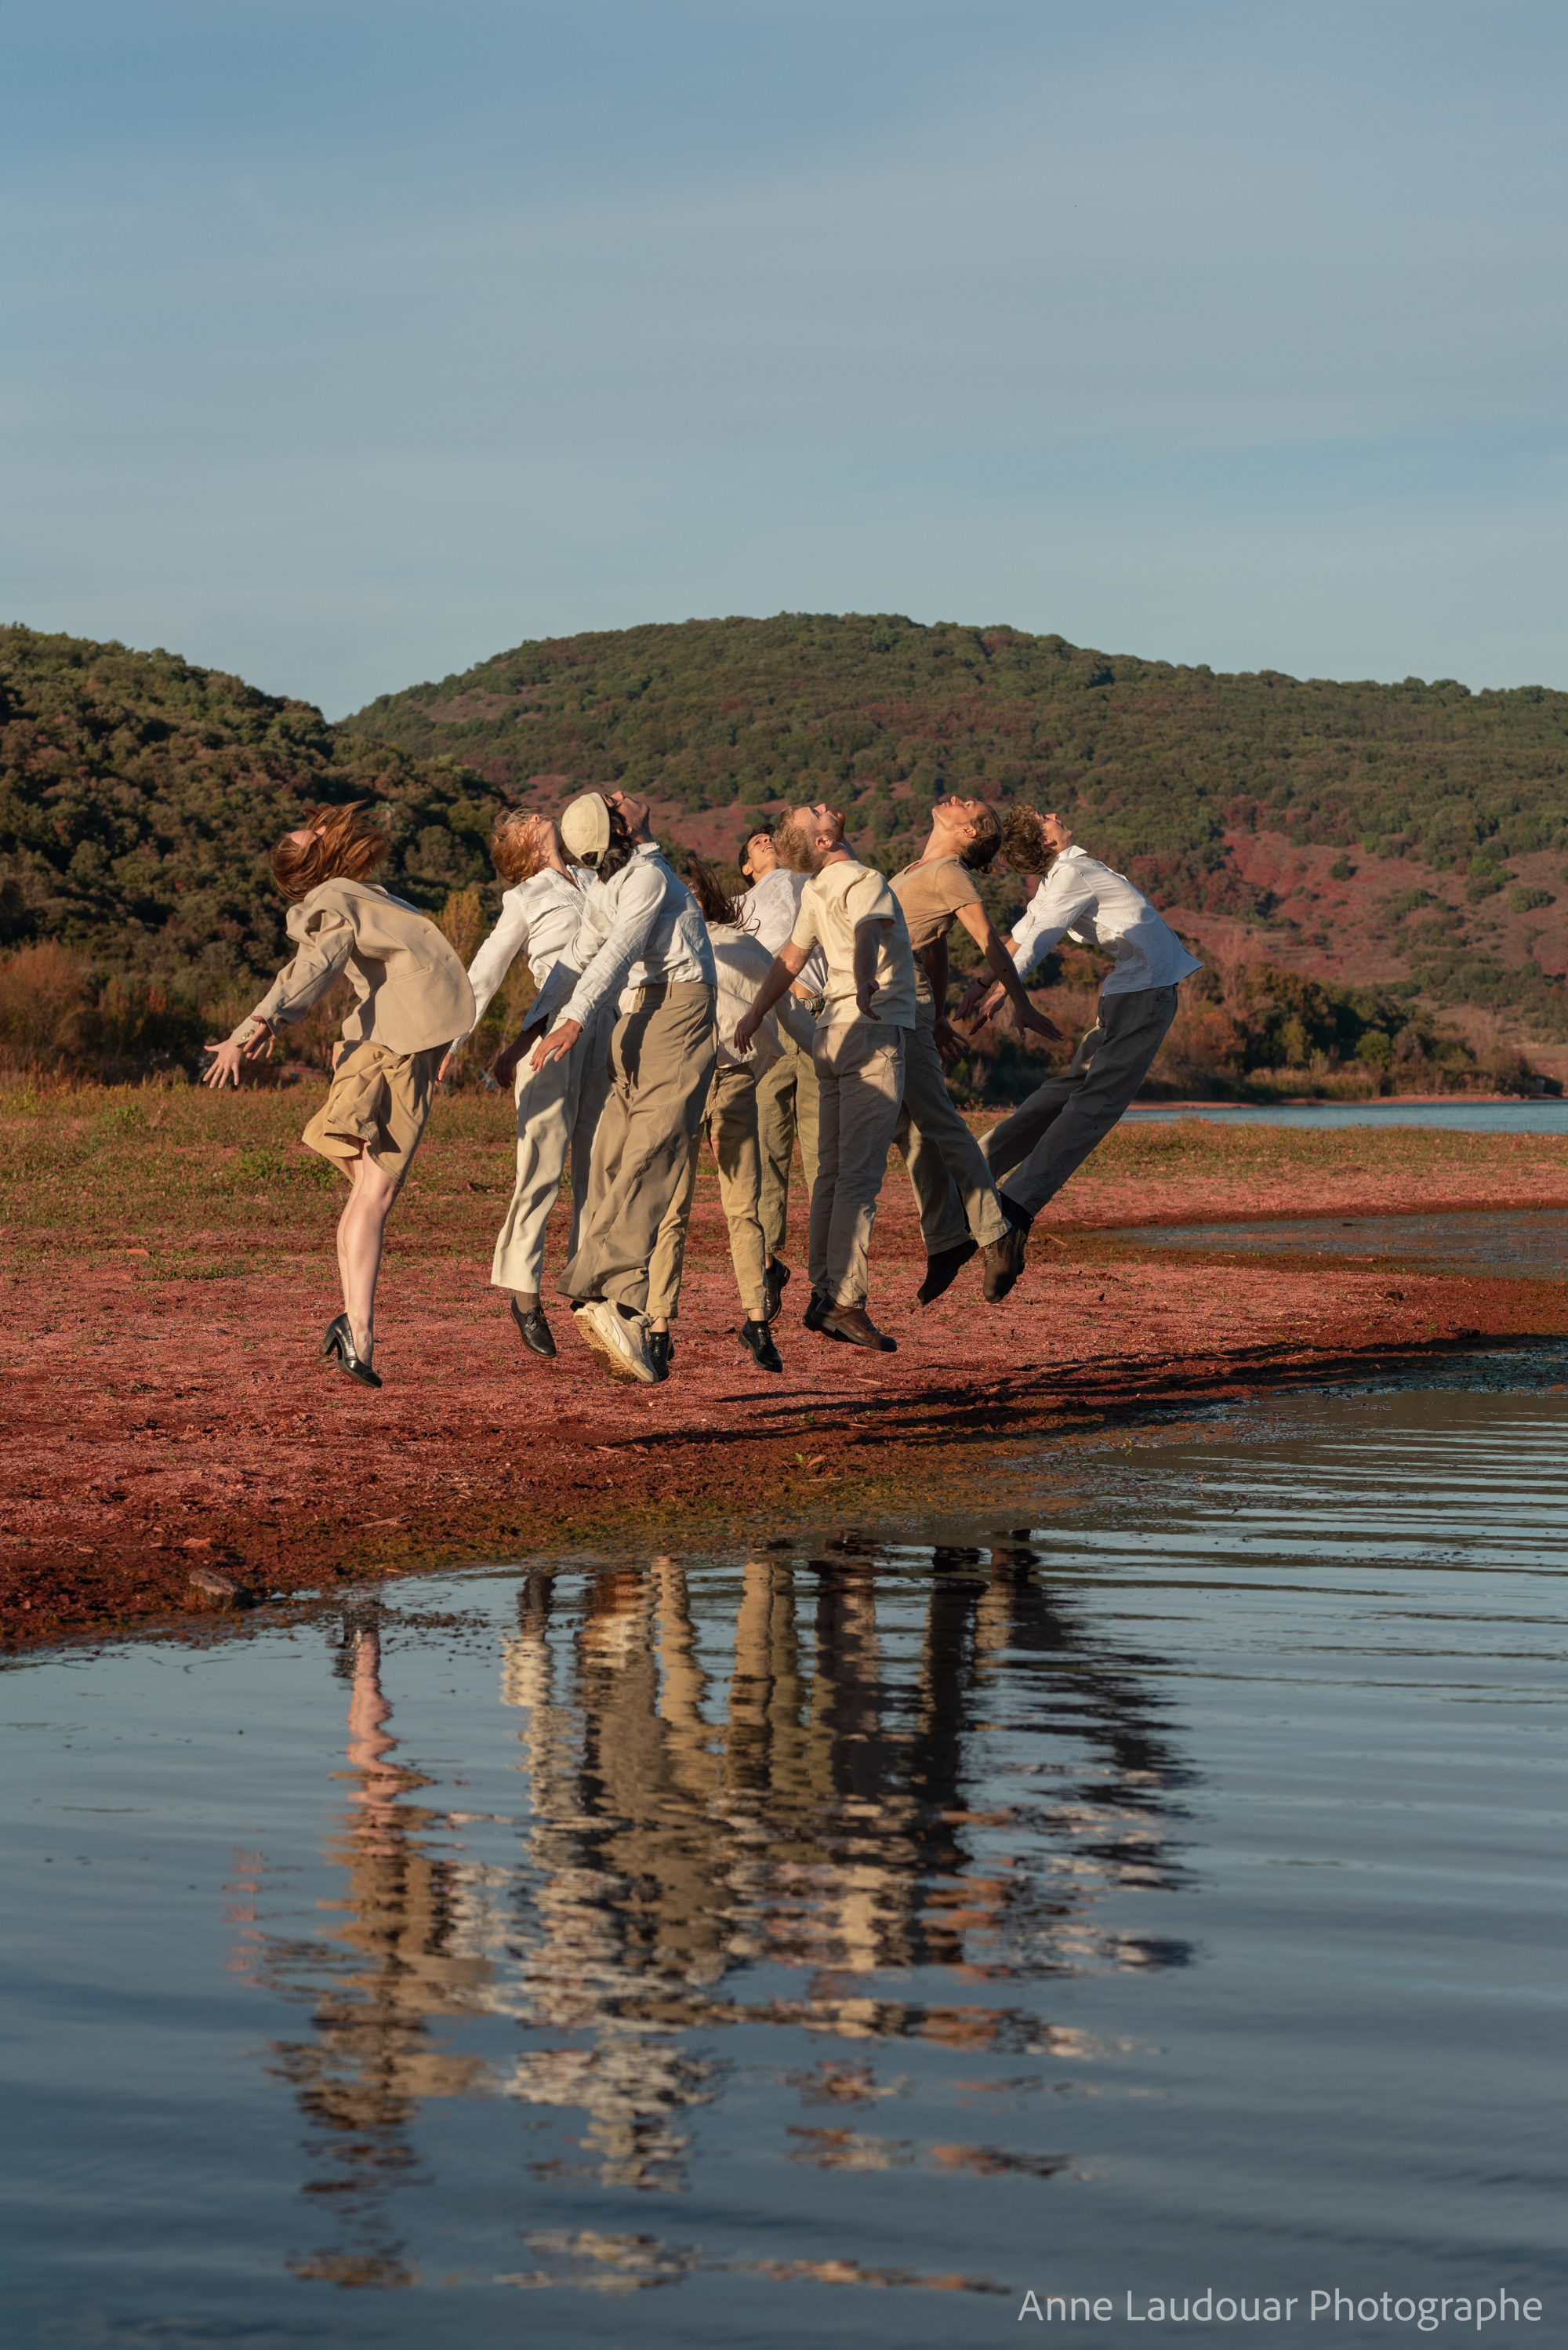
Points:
x=378, y=1099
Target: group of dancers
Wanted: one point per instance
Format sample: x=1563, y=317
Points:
x=669, y=1013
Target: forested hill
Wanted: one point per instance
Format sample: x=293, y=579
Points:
x=1305, y=810
x=1408, y=834
x=140, y=795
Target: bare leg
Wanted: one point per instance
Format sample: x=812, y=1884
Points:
x=361, y=1231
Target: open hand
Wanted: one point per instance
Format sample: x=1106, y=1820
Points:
x=228, y=1056
x=746, y=1031
x=559, y=1040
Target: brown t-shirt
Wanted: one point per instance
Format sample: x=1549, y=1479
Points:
x=931, y=895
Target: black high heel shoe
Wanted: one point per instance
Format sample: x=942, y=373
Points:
x=339, y=1341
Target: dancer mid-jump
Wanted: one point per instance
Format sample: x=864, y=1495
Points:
x=411, y=998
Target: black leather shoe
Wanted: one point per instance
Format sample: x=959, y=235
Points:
x=758, y=1342
x=942, y=1270
x=534, y=1329
x=339, y=1342
x=1006, y=1258
x=775, y=1281
x=661, y=1348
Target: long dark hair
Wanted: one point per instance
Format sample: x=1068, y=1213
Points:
x=714, y=901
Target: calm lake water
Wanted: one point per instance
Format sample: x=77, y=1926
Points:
x=1154, y=1888
x=1459, y=1116
x=1527, y=1241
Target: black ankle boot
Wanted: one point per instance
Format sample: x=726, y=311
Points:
x=758, y=1342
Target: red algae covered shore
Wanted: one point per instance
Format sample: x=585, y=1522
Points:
x=168, y=1270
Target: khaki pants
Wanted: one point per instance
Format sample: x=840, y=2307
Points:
x=660, y=1066
x=953, y=1187
x=860, y=1078
x=1048, y=1137
x=731, y=1125
x=380, y=1098
x=558, y=1111
x=787, y=1107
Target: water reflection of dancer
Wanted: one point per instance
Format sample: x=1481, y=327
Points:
x=816, y=1814
x=559, y=1104
x=411, y=998
x=1045, y=1140
x=729, y=1125
x=361, y=2076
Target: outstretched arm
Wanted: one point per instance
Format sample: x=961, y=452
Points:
x=984, y=933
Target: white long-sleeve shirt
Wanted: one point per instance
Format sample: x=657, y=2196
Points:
x=539, y=918
x=743, y=962
x=1086, y=902
x=640, y=929
x=772, y=908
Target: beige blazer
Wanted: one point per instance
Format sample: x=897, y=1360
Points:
x=411, y=991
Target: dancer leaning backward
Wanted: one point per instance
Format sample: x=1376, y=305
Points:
x=954, y=1190
x=643, y=943
x=731, y=1123
x=787, y=1104
x=1033, y=1152
x=858, y=1050
x=411, y=998
x=558, y=1105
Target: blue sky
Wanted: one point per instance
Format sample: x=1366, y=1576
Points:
x=346, y=344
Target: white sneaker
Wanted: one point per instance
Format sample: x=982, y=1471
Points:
x=621, y=1344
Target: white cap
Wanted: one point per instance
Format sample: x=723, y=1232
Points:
x=585, y=825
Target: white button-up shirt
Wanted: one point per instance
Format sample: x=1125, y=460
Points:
x=640, y=929
x=539, y=918
x=1085, y=901
x=771, y=908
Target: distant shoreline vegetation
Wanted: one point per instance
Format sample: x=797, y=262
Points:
x=139, y=793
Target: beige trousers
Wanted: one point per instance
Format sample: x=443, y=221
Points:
x=860, y=1078
x=660, y=1066
x=730, y=1125
x=558, y=1111
x=953, y=1186
x=787, y=1107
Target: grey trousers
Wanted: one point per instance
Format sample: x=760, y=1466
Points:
x=955, y=1189
x=661, y=1065
x=1048, y=1137
x=787, y=1106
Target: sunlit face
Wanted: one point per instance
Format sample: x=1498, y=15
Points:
x=955, y=810
x=760, y=857
x=1058, y=835
x=808, y=836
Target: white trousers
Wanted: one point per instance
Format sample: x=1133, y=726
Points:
x=558, y=1108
